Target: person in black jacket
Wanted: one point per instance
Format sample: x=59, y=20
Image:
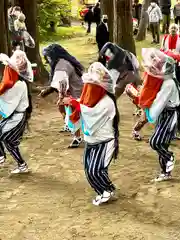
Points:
x=97, y=14
x=137, y=10
x=165, y=6
x=89, y=17
x=102, y=32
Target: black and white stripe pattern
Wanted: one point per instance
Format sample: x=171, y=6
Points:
x=164, y=133
x=97, y=158
x=11, y=140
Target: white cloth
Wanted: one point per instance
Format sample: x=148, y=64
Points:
x=135, y=61
x=98, y=121
x=14, y=99
x=100, y=75
x=60, y=78
x=168, y=96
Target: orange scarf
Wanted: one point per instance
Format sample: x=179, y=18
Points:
x=10, y=77
x=91, y=95
x=149, y=91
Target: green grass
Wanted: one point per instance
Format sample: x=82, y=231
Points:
x=62, y=33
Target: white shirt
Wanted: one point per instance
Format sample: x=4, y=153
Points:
x=98, y=121
x=14, y=99
x=168, y=96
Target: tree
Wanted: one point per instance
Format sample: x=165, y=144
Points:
x=143, y=22
x=125, y=25
x=29, y=7
x=115, y=21
x=4, y=48
x=106, y=7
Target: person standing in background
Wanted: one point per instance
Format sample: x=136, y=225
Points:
x=89, y=17
x=177, y=12
x=102, y=32
x=165, y=6
x=155, y=16
x=97, y=14
x=137, y=10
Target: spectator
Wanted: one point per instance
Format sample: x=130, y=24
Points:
x=97, y=14
x=171, y=41
x=102, y=33
x=137, y=10
x=89, y=18
x=177, y=12
x=13, y=13
x=155, y=16
x=165, y=6
x=20, y=28
x=19, y=23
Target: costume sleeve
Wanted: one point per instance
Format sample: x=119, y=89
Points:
x=10, y=99
x=60, y=82
x=160, y=101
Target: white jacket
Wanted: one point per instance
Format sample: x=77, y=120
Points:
x=98, y=121
x=168, y=96
x=154, y=13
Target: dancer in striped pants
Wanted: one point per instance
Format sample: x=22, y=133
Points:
x=15, y=106
x=160, y=106
x=164, y=133
x=99, y=116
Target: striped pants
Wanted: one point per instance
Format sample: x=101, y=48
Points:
x=164, y=132
x=97, y=158
x=11, y=140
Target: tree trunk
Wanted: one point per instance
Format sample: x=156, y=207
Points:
x=115, y=21
x=143, y=22
x=106, y=7
x=29, y=7
x=4, y=29
x=125, y=26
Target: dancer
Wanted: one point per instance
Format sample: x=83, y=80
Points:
x=160, y=106
x=15, y=106
x=100, y=118
x=124, y=67
x=122, y=64
x=65, y=78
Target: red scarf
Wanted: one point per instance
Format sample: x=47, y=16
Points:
x=91, y=95
x=172, y=41
x=149, y=91
x=10, y=77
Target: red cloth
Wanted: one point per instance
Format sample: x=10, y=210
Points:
x=10, y=77
x=175, y=56
x=91, y=95
x=149, y=91
x=172, y=41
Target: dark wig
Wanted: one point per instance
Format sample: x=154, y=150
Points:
x=29, y=109
x=115, y=126
x=55, y=52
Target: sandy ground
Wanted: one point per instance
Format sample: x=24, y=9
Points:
x=54, y=200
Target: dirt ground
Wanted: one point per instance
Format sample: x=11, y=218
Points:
x=54, y=200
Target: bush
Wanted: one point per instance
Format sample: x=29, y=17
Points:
x=52, y=11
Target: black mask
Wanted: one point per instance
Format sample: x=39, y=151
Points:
x=105, y=20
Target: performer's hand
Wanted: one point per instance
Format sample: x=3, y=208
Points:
x=66, y=101
x=129, y=93
x=60, y=102
x=42, y=93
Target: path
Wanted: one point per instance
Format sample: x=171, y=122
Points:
x=54, y=201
